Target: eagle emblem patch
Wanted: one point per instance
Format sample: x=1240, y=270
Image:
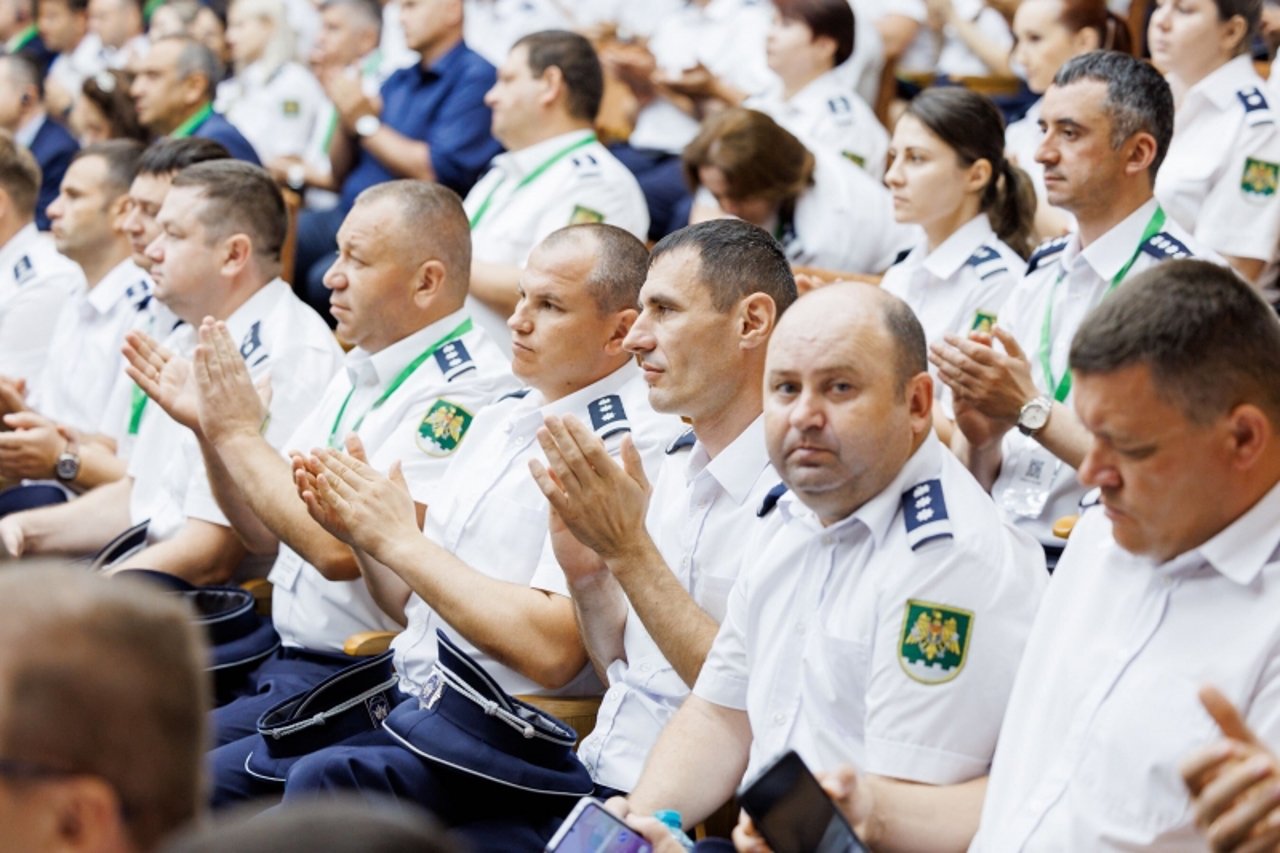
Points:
x=585, y=215
x=1258, y=183
x=935, y=641
x=443, y=428
x=983, y=321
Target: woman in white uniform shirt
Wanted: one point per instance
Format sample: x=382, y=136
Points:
x=949, y=175
x=808, y=44
x=1048, y=33
x=825, y=211
x=1219, y=178
x=272, y=100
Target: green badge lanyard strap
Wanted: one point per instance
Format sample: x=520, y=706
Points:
x=1062, y=388
x=529, y=178
x=184, y=130
x=21, y=40
x=138, y=406
x=395, y=383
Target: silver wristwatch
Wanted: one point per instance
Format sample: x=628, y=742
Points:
x=367, y=126
x=67, y=466
x=1034, y=415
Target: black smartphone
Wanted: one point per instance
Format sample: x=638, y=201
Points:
x=793, y=813
x=590, y=828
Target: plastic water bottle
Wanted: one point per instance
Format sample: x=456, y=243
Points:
x=674, y=823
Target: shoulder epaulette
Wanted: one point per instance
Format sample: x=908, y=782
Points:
x=841, y=109
x=1256, y=108
x=987, y=262
x=1047, y=249
x=252, y=343
x=516, y=395
x=608, y=417
x=454, y=360
x=586, y=164
x=925, y=512
x=902, y=256
x=24, y=270
x=139, y=293
x=771, y=500
x=683, y=440
x=1166, y=247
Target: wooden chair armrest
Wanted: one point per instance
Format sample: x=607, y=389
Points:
x=368, y=643
x=1062, y=527
x=829, y=276
x=261, y=589
x=578, y=712
x=991, y=85
x=720, y=823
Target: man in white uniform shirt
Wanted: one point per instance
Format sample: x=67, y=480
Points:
x=882, y=606
x=35, y=280
x=1108, y=120
x=555, y=173
x=480, y=568
x=650, y=585
x=218, y=255
x=84, y=358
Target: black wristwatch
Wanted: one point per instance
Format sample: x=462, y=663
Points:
x=67, y=468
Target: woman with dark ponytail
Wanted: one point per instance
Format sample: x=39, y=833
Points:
x=1047, y=33
x=949, y=175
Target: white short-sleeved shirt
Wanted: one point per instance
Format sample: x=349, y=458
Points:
x=70, y=70
x=701, y=513
x=279, y=336
x=1105, y=705
x=462, y=377
x=1029, y=474
x=946, y=53
x=35, y=283
x=727, y=37
x=1221, y=176
x=957, y=288
x=85, y=358
x=844, y=222
x=587, y=184
x=889, y=639
x=123, y=57
x=126, y=407
x=493, y=26
x=827, y=115
x=277, y=110
x=489, y=512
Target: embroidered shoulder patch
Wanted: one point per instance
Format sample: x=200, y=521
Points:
x=1259, y=179
x=291, y=108
x=983, y=321
x=934, y=641
x=443, y=428
x=856, y=159
x=584, y=215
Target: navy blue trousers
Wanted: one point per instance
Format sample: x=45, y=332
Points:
x=286, y=673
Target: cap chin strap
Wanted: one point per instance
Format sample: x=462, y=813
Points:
x=493, y=709
x=320, y=718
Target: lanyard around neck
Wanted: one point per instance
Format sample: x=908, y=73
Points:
x=21, y=40
x=185, y=129
x=1062, y=388
x=400, y=379
x=529, y=178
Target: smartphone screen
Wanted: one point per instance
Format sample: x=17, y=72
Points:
x=794, y=814
x=591, y=829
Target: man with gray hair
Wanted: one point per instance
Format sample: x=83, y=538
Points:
x=173, y=93
x=1108, y=120
x=102, y=698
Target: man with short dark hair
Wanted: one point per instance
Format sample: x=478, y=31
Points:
x=22, y=113
x=222, y=227
x=428, y=122
x=19, y=34
x=173, y=93
x=35, y=280
x=102, y=698
x=1108, y=119
x=881, y=605
x=554, y=173
x=64, y=28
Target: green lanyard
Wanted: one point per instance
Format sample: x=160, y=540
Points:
x=150, y=8
x=529, y=178
x=136, y=409
x=1062, y=388
x=21, y=40
x=184, y=130
x=395, y=383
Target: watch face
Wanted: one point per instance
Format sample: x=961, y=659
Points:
x=1034, y=416
x=368, y=125
x=67, y=467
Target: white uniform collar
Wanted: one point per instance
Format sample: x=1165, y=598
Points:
x=387, y=363
x=944, y=261
x=1109, y=253
x=1222, y=84
x=737, y=467
x=115, y=286
x=816, y=92
x=1241, y=549
x=577, y=402
x=878, y=513
x=258, y=306
x=14, y=249
x=26, y=134
x=518, y=164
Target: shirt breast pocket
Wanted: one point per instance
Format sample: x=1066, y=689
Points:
x=835, y=682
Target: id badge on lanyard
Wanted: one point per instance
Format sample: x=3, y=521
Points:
x=1034, y=471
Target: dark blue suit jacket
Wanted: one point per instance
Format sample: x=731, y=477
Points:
x=53, y=148
x=218, y=129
